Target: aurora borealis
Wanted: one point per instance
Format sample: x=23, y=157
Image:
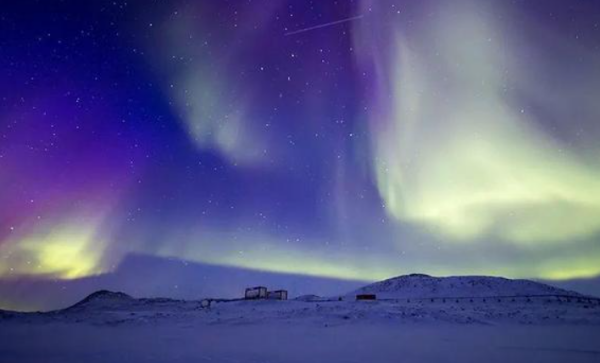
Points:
x=442, y=137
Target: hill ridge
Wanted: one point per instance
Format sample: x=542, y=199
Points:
x=423, y=286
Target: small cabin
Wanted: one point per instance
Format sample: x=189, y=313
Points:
x=366, y=297
x=258, y=292
x=277, y=295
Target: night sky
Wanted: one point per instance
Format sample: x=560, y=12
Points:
x=353, y=140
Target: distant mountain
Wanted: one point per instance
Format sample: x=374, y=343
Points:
x=419, y=285
x=102, y=299
x=309, y=297
x=151, y=276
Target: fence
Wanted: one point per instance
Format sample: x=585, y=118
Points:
x=560, y=299
x=500, y=299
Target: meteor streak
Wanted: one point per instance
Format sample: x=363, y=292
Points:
x=324, y=25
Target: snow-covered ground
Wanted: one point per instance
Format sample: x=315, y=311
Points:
x=129, y=330
x=273, y=343
x=114, y=327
